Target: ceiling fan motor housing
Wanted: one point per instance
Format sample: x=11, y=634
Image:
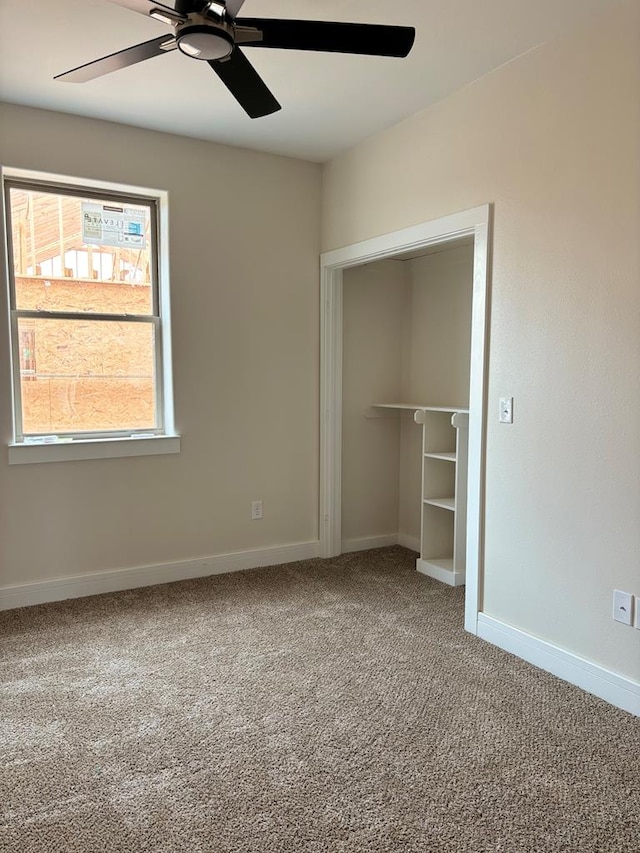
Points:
x=205, y=41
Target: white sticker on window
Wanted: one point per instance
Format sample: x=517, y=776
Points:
x=110, y=225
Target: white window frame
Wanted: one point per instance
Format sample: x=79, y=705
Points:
x=108, y=444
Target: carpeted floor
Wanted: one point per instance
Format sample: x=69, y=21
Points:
x=320, y=706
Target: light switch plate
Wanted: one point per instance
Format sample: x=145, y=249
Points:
x=622, y=606
x=506, y=410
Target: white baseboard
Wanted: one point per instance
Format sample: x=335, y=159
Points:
x=410, y=542
x=613, y=688
x=25, y=595
x=368, y=542
x=441, y=573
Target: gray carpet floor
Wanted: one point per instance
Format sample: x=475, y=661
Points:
x=323, y=706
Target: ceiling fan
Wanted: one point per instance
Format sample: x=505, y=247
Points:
x=209, y=30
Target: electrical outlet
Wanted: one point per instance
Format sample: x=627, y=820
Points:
x=256, y=510
x=637, y=607
x=622, y=606
x=506, y=410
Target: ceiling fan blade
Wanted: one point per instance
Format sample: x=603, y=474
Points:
x=233, y=7
x=146, y=6
x=177, y=8
x=245, y=84
x=371, y=39
x=121, y=59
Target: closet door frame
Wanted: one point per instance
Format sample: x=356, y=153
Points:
x=476, y=223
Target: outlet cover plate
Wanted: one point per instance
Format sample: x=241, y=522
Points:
x=622, y=606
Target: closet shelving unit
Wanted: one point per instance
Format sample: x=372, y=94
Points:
x=443, y=539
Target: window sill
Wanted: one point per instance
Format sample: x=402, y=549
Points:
x=102, y=448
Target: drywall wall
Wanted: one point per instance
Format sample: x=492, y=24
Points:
x=374, y=308
x=552, y=139
x=439, y=327
x=244, y=243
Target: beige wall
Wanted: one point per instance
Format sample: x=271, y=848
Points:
x=374, y=308
x=439, y=327
x=244, y=244
x=553, y=140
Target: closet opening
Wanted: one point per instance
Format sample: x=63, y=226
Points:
x=404, y=340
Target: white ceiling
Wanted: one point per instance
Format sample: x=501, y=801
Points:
x=329, y=101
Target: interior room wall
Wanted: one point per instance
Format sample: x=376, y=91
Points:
x=244, y=245
x=552, y=140
x=439, y=327
x=374, y=308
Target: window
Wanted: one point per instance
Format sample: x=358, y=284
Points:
x=89, y=317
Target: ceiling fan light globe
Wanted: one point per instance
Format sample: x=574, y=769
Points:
x=202, y=42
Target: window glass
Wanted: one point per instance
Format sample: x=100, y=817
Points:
x=85, y=312
x=86, y=376
x=80, y=254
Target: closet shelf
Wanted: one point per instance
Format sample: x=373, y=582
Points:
x=446, y=457
x=436, y=529
x=421, y=406
x=443, y=503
